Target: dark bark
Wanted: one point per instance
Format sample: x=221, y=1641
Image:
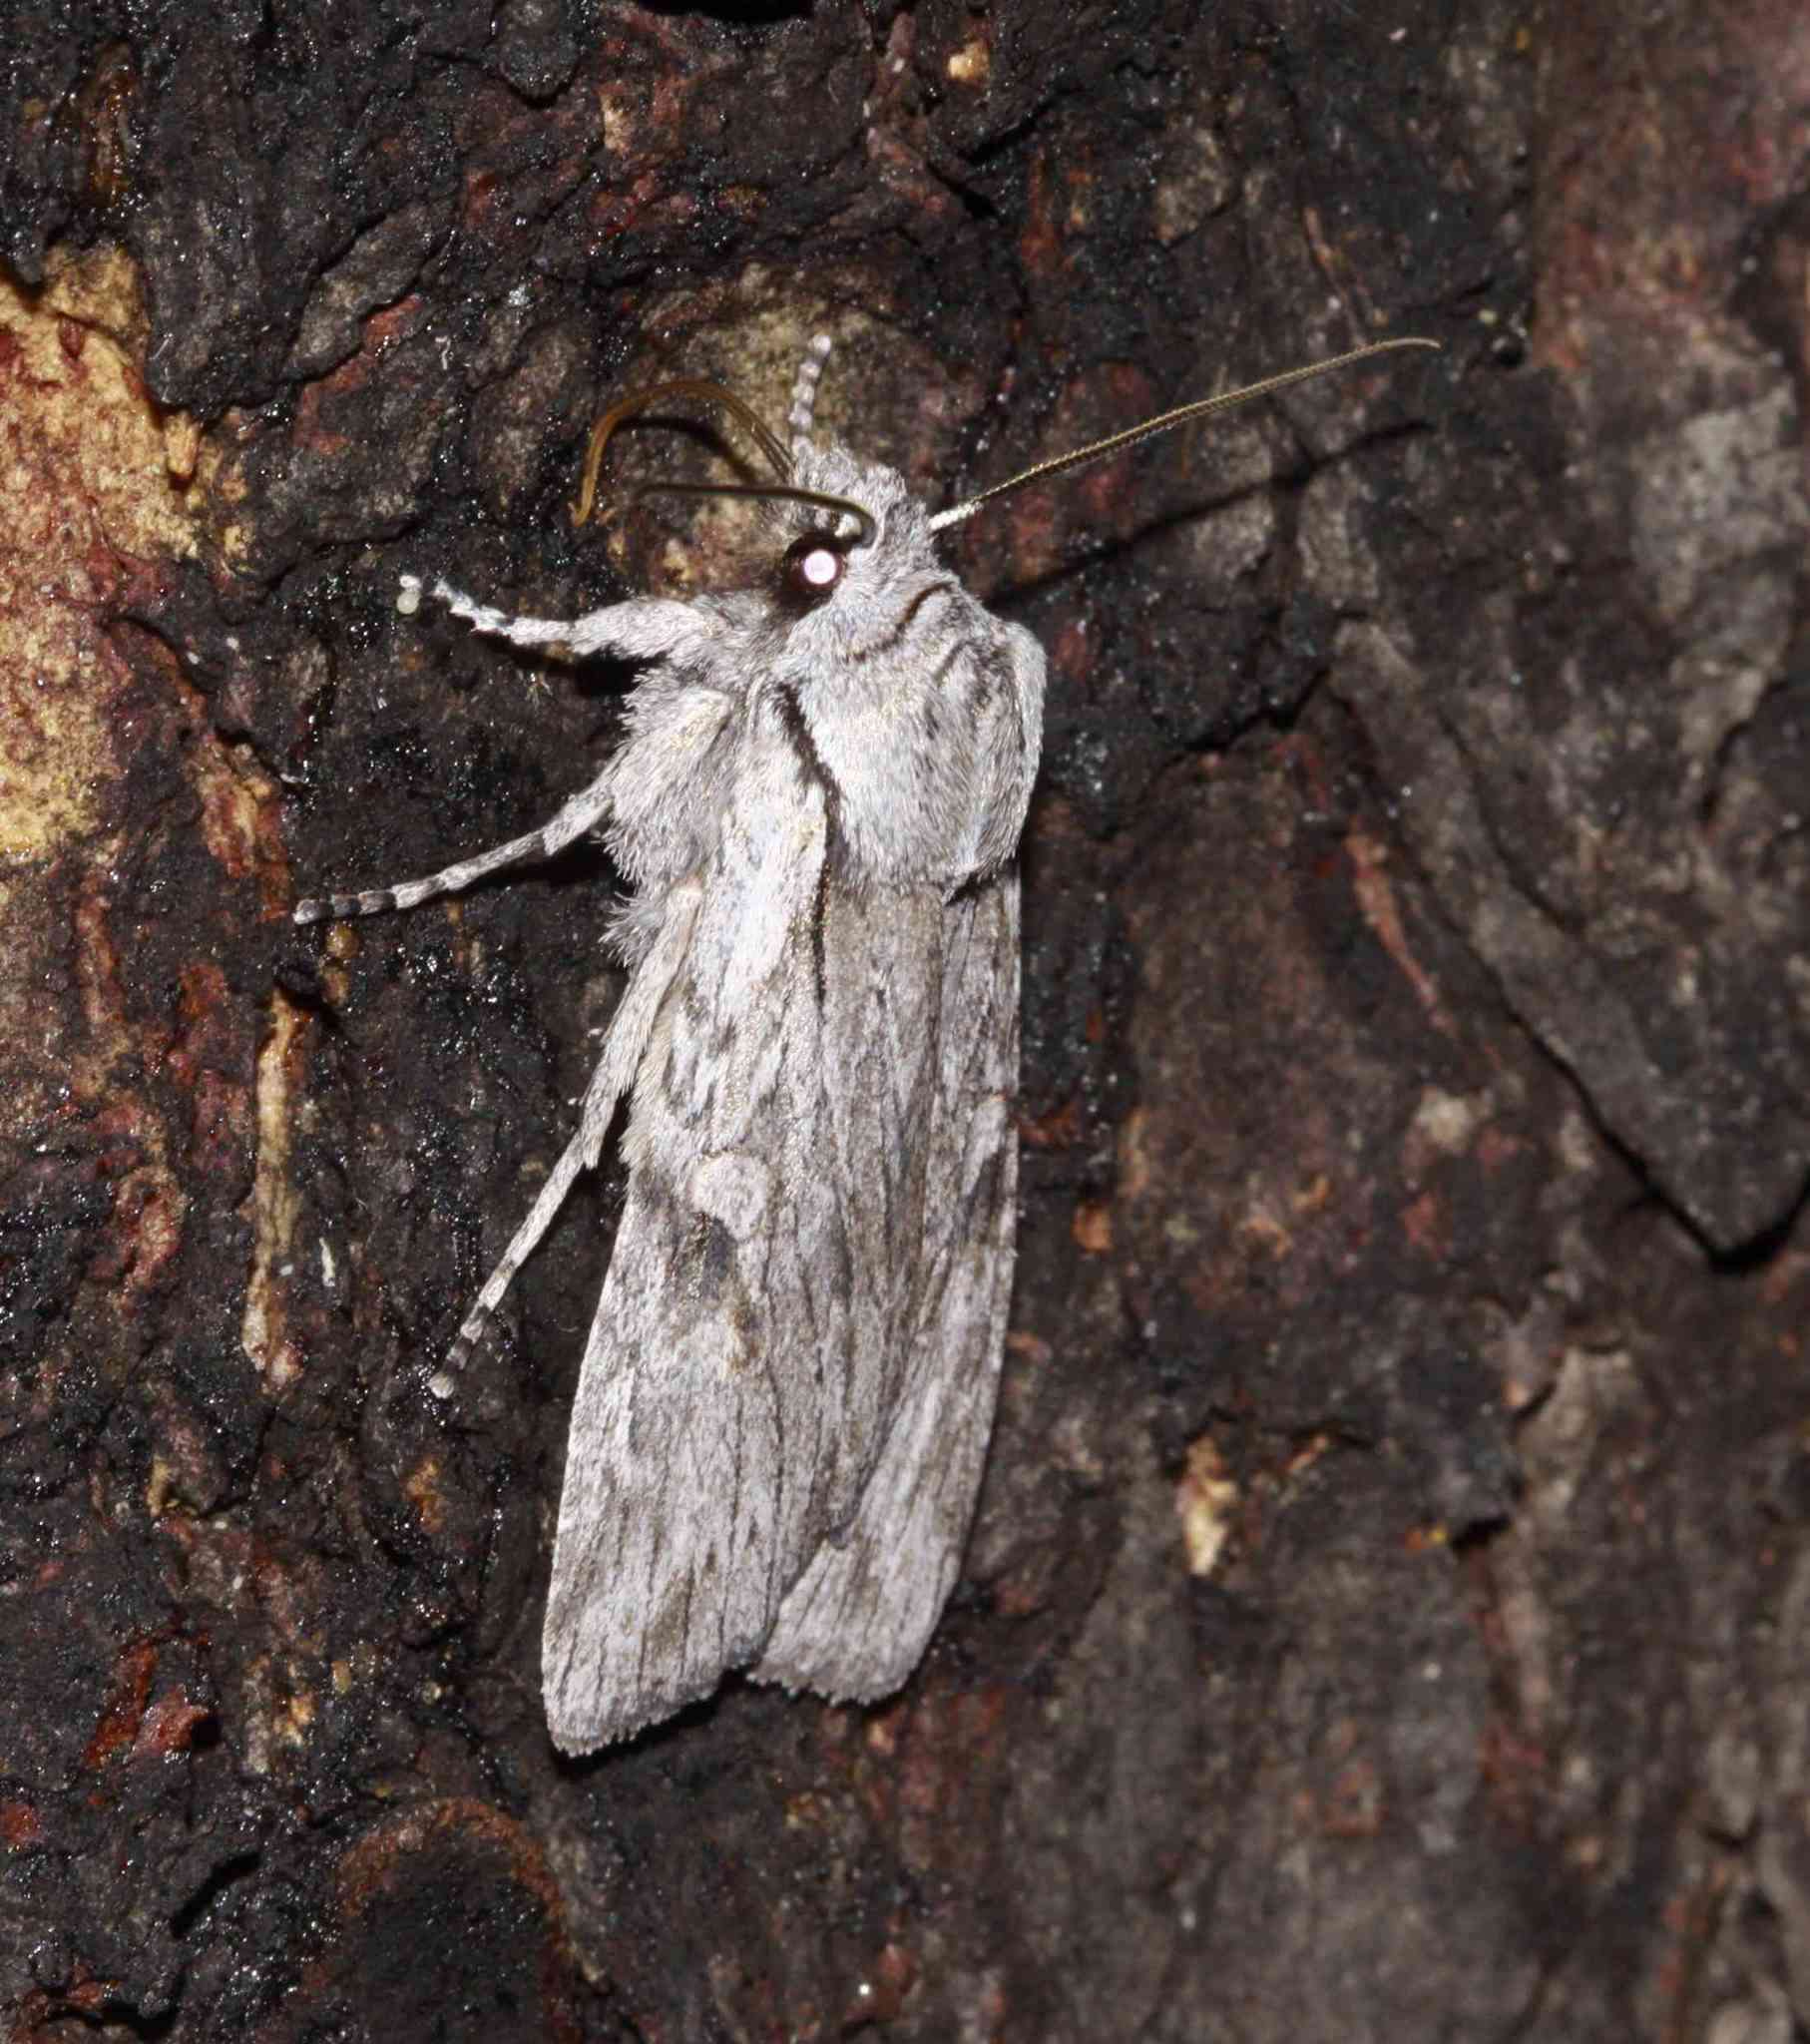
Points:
x=1389, y=1615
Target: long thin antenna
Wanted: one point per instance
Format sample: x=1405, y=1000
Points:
x=1098, y=450
x=705, y=392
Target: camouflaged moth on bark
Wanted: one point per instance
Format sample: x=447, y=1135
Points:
x=788, y=1388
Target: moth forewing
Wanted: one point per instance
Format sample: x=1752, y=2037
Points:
x=857, y=1622
x=741, y=1480
x=785, y=1398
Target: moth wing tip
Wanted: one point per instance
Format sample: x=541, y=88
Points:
x=584, y=1718
x=836, y=1682
x=573, y=1742
x=578, y=1731
x=581, y=1732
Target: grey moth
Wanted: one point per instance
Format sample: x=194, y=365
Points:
x=788, y=1388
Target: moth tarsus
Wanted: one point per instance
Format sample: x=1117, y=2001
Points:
x=786, y=1393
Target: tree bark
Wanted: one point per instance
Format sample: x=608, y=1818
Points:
x=1388, y=1615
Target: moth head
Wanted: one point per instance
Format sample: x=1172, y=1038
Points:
x=816, y=501
x=874, y=518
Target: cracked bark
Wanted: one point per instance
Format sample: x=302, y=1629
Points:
x=1387, y=1612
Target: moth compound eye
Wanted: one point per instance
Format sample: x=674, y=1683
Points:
x=813, y=567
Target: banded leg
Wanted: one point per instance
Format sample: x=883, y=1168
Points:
x=647, y=627
x=522, y=1244
x=629, y=1028
x=572, y=820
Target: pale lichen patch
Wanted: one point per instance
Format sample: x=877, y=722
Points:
x=276, y=1201
x=84, y=473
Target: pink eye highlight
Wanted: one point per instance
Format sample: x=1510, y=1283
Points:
x=813, y=567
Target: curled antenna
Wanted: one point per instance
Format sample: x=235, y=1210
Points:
x=1098, y=450
x=703, y=392
x=804, y=391
x=788, y=493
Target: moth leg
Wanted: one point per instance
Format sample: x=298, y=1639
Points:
x=649, y=628
x=572, y=820
x=522, y=1246
x=629, y=1028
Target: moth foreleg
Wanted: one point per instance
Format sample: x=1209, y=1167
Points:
x=647, y=627
x=572, y=820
